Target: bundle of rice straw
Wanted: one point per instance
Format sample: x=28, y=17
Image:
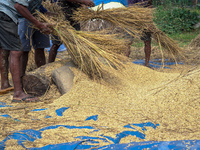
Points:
x=133, y=20
x=54, y=7
x=88, y=49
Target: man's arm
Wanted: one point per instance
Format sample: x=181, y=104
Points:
x=150, y=3
x=88, y=3
x=26, y=14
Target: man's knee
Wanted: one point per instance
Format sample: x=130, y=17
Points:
x=16, y=53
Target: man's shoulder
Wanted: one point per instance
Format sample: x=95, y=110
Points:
x=65, y=3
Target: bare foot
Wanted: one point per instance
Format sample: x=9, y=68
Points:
x=25, y=98
x=5, y=86
x=149, y=66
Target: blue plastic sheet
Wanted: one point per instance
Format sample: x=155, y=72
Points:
x=2, y=104
x=60, y=49
x=95, y=117
x=60, y=111
x=156, y=64
x=39, y=109
x=8, y=116
x=47, y=116
x=90, y=142
x=87, y=142
x=153, y=145
x=123, y=2
x=63, y=146
x=147, y=124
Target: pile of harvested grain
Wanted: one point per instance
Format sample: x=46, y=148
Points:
x=137, y=95
x=192, y=52
x=192, y=55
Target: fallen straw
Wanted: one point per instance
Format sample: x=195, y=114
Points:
x=6, y=90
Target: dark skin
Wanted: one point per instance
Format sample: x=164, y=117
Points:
x=88, y=3
x=40, y=59
x=4, y=63
x=54, y=49
x=147, y=51
x=147, y=45
x=15, y=56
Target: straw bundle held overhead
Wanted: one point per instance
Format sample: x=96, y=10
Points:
x=88, y=49
x=54, y=7
x=133, y=20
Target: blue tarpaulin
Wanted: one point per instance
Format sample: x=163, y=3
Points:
x=157, y=64
x=89, y=142
x=97, y=2
x=60, y=49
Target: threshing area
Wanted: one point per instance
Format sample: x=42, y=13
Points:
x=136, y=108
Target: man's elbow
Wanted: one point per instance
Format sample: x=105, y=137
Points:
x=18, y=6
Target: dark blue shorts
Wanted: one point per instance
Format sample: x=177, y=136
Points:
x=56, y=40
x=9, y=38
x=31, y=37
x=145, y=37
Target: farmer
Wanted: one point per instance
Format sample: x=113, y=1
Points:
x=30, y=36
x=147, y=37
x=10, y=43
x=68, y=6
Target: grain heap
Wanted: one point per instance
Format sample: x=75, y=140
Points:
x=137, y=95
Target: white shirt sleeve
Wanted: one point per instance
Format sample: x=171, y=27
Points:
x=23, y=2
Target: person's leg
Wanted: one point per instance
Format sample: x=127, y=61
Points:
x=53, y=53
x=40, y=42
x=129, y=40
x=128, y=51
x=40, y=59
x=4, y=63
x=16, y=76
x=25, y=33
x=147, y=50
x=24, y=61
x=54, y=48
x=147, y=47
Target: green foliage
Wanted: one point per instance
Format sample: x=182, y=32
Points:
x=172, y=3
x=175, y=20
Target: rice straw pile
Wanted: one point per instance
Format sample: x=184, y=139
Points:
x=88, y=49
x=195, y=42
x=133, y=20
